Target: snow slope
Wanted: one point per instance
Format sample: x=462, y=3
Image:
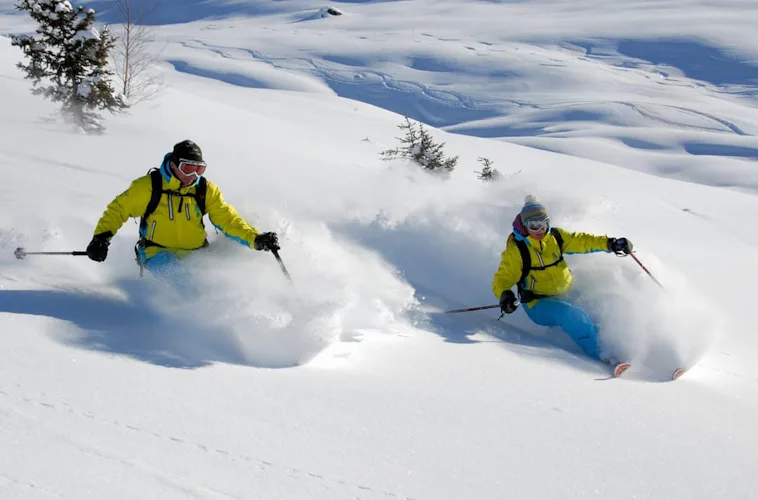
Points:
x=349, y=382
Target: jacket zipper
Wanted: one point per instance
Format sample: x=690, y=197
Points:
x=170, y=207
x=538, y=253
x=186, y=209
x=539, y=256
x=152, y=231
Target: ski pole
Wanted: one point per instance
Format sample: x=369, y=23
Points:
x=275, y=251
x=646, y=270
x=468, y=309
x=20, y=253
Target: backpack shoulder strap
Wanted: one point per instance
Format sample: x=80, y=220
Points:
x=155, y=195
x=200, y=190
x=526, y=260
x=557, y=235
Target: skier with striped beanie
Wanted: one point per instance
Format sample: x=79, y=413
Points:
x=533, y=262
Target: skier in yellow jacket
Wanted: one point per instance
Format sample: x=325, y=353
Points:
x=175, y=227
x=533, y=262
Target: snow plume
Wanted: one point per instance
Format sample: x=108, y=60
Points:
x=658, y=328
x=229, y=296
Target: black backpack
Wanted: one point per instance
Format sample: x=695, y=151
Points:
x=155, y=197
x=526, y=263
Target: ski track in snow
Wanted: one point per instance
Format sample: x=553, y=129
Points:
x=332, y=74
x=642, y=110
x=502, y=107
x=31, y=486
x=22, y=398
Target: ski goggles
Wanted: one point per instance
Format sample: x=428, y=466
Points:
x=537, y=224
x=191, y=167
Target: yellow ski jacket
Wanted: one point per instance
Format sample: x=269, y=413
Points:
x=177, y=223
x=555, y=278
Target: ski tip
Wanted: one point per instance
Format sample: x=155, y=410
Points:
x=620, y=368
x=678, y=373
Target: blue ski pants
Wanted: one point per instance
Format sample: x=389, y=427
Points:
x=163, y=263
x=169, y=267
x=572, y=319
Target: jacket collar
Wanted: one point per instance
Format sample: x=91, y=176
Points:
x=171, y=182
x=519, y=231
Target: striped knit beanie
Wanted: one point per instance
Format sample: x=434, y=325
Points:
x=533, y=209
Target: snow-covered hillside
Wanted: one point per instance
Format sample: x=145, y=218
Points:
x=350, y=382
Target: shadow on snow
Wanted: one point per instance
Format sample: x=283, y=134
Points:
x=124, y=327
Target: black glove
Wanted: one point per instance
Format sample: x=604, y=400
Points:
x=620, y=246
x=508, y=302
x=266, y=241
x=97, y=249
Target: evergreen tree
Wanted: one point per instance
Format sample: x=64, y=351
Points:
x=488, y=173
x=67, y=59
x=420, y=146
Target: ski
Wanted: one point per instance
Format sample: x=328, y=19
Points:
x=620, y=368
x=678, y=373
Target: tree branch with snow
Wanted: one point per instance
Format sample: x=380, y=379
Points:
x=67, y=61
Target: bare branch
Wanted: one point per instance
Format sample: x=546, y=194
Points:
x=133, y=57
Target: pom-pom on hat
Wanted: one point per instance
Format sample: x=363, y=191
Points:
x=533, y=209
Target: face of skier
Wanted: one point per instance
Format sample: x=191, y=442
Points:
x=188, y=171
x=537, y=228
x=537, y=235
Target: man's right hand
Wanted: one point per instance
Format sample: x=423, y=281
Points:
x=508, y=302
x=97, y=249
